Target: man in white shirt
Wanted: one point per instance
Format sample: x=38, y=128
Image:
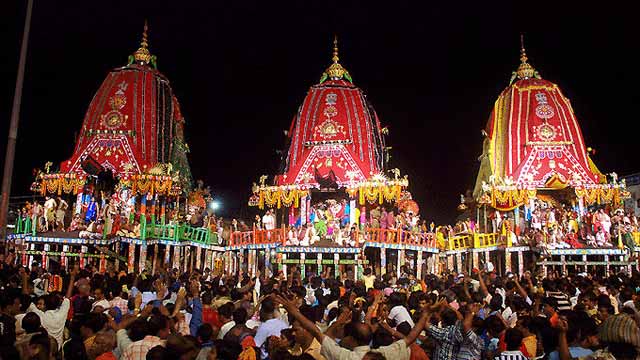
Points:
x=271, y=326
x=269, y=220
x=49, y=212
x=399, y=314
x=225, y=315
x=55, y=317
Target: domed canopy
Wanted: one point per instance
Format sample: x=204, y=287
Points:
x=133, y=125
x=335, y=142
x=533, y=138
x=336, y=134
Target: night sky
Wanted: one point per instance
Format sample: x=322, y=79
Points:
x=240, y=69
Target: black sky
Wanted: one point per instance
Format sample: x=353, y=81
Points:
x=241, y=68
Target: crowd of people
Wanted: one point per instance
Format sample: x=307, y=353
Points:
x=207, y=315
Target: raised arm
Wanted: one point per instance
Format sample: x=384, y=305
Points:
x=196, y=305
x=521, y=290
x=416, y=330
x=25, y=280
x=72, y=278
x=483, y=286
x=468, y=318
x=465, y=287
x=458, y=314
x=563, y=346
x=342, y=319
x=371, y=311
x=304, y=322
x=248, y=286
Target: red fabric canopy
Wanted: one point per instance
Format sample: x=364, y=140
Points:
x=535, y=138
x=336, y=131
x=130, y=124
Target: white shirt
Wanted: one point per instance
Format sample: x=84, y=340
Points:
x=399, y=314
x=332, y=351
x=268, y=328
x=104, y=303
x=269, y=222
x=53, y=320
x=49, y=204
x=225, y=329
x=629, y=304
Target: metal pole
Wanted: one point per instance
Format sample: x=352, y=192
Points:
x=13, y=129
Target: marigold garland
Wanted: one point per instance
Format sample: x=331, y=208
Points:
x=59, y=183
x=150, y=184
x=277, y=197
x=598, y=195
x=509, y=199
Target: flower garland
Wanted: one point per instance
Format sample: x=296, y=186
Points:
x=277, y=197
x=149, y=184
x=509, y=199
x=379, y=193
x=59, y=183
x=599, y=195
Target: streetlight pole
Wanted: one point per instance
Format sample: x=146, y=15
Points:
x=13, y=129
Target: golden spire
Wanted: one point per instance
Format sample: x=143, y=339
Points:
x=335, y=57
x=525, y=70
x=335, y=70
x=142, y=55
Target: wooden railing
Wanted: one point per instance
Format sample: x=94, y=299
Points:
x=256, y=237
x=460, y=242
x=398, y=236
x=175, y=232
x=485, y=240
x=180, y=232
x=386, y=236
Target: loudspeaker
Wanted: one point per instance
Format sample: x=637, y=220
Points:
x=91, y=166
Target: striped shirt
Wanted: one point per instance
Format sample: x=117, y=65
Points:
x=447, y=341
x=511, y=355
x=471, y=347
x=563, y=300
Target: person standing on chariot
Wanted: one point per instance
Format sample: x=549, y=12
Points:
x=49, y=213
x=361, y=217
x=257, y=223
x=601, y=236
x=320, y=223
x=551, y=218
x=92, y=211
x=496, y=220
x=60, y=212
x=292, y=237
x=345, y=213
x=108, y=214
x=268, y=220
x=605, y=220
x=309, y=235
x=374, y=217
x=36, y=212
x=334, y=232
